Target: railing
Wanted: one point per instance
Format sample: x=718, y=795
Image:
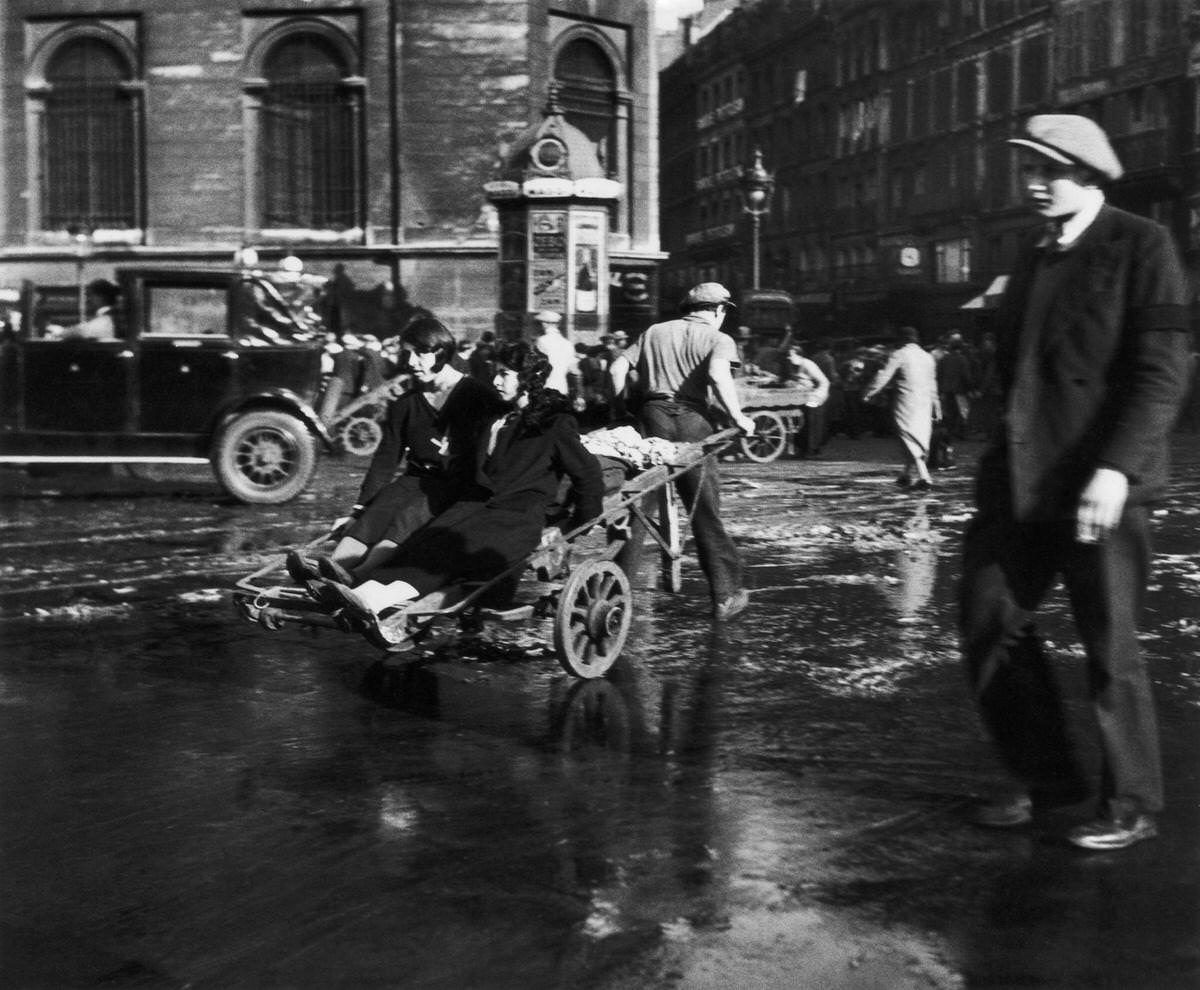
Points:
x=709, y=234
x=726, y=176
x=724, y=112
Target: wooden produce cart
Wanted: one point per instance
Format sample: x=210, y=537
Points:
x=777, y=409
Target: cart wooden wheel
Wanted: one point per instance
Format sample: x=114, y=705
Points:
x=768, y=440
x=594, y=612
x=672, y=534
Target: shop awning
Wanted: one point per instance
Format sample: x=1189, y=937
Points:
x=990, y=296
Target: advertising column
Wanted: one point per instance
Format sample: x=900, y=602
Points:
x=589, y=269
x=548, y=275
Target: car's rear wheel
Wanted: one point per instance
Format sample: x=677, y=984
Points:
x=265, y=457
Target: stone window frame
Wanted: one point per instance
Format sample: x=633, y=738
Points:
x=265, y=32
x=623, y=108
x=44, y=39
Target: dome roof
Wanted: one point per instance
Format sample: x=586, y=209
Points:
x=552, y=148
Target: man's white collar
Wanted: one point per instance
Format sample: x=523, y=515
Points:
x=1073, y=227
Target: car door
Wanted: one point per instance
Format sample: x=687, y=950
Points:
x=187, y=366
x=76, y=386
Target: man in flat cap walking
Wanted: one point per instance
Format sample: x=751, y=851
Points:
x=1092, y=353
x=676, y=364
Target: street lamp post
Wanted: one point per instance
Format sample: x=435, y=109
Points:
x=757, y=184
x=81, y=234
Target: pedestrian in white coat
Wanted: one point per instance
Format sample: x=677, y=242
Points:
x=913, y=371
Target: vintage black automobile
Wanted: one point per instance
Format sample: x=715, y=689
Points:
x=203, y=366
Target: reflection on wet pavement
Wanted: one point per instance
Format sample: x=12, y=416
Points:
x=189, y=800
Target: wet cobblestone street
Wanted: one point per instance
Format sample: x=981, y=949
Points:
x=188, y=800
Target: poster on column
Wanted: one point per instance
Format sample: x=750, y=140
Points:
x=588, y=241
x=548, y=260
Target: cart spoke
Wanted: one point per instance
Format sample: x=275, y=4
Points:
x=593, y=618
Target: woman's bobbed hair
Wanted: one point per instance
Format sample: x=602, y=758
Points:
x=431, y=335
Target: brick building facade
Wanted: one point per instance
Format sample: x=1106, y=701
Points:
x=355, y=134
x=896, y=200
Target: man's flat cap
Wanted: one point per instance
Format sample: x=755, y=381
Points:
x=1070, y=139
x=547, y=316
x=707, y=293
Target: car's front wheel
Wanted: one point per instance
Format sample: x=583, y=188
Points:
x=265, y=457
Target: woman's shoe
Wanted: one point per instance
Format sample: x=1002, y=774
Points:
x=920, y=485
x=349, y=599
x=371, y=599
x=300, y=569
x=331, y=570
x=321, y=591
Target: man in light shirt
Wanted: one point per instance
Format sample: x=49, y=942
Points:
x=101, y=301
x=564, y=362
x=677, y=364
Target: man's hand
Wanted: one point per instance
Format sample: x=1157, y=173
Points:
x=1101, y=505
x=340, y=525
x=744, y=423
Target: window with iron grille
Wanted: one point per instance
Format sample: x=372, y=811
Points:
x=308, y=155
x=89, y=139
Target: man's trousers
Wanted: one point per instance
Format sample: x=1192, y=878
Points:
x=700, y=490
x=1008, y=568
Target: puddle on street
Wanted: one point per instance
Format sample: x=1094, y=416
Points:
x=775, y=797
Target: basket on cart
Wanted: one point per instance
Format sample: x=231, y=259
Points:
x=583, y=589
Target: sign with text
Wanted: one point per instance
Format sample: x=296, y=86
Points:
x=548, y=260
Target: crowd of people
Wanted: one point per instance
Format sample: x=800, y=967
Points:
x=473, y=451
x=1076, y=393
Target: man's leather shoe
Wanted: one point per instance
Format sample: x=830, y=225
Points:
x=300, y=569
x=1011, y=811
x=1113, y=833
x=732, y=605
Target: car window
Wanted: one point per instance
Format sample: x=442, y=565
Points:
x=185, y=310
x=52, y=308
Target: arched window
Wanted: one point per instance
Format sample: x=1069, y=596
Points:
x=89, y=157
x=308, y=140
x=589, y=98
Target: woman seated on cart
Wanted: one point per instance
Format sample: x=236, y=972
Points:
x=437, y=425
x=499, y=521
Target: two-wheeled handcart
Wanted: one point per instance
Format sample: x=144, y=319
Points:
x=573, y=578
